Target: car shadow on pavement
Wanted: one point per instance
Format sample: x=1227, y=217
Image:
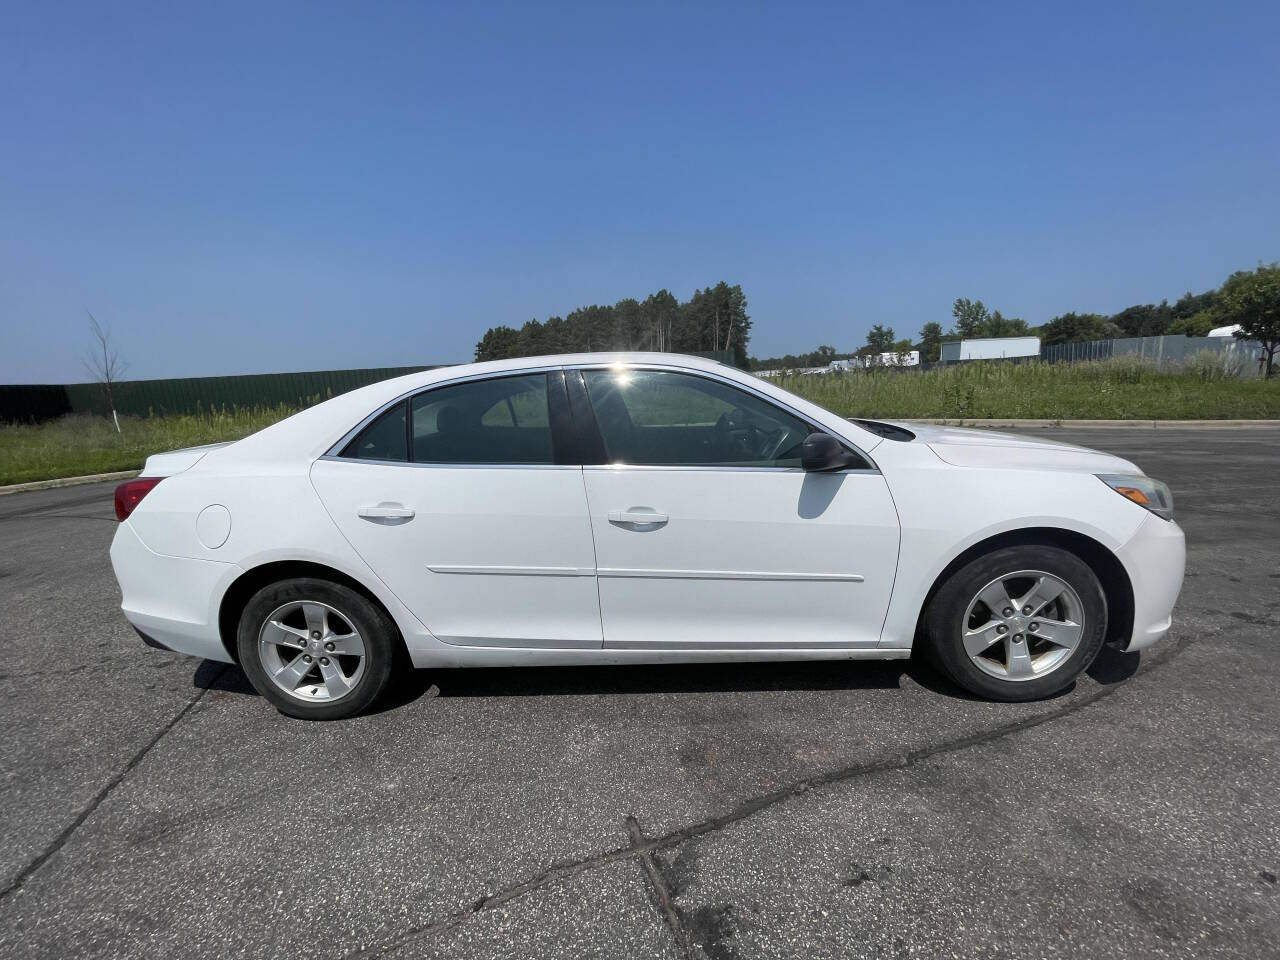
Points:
x=669, y=678
x=229, y=678
x=1110, y=667
x=222, y=677
x=641, y=678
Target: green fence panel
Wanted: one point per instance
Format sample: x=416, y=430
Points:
x=140, y=398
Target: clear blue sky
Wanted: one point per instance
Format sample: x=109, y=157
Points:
x=265, y=187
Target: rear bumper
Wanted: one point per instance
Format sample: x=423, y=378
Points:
x=171, y=601
x=1155, y=560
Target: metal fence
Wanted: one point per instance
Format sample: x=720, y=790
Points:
x=1165, y=352
x=34, y=403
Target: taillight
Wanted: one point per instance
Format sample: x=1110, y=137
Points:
x=130, y=493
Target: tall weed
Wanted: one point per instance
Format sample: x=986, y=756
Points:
x=1120, y=388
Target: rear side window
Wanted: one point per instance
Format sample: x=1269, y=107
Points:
x=384, y=439
x=661, y=418
x=504, y=420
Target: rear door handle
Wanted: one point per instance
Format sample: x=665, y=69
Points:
x=639, y=516
x=386, y=512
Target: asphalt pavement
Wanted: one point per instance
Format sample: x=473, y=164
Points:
x=154, y=806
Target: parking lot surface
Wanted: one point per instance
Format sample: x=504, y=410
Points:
x=154, y=806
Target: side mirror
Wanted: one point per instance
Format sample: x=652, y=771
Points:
x=823, y=453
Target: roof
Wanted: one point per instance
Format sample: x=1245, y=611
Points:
x=309, y=433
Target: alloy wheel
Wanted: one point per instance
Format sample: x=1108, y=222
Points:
x=1023, y=625
x=311, y=651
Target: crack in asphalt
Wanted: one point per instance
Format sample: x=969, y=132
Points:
x=105, y=791
x=661, y=892
x=642, y=849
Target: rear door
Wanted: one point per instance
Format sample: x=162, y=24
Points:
x=709, y=534
x=462, y=500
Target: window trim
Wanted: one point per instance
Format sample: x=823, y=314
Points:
x=589, y=423
x=557, y=408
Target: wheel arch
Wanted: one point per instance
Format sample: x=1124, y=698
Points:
x=237, y=595
x=1116, y=584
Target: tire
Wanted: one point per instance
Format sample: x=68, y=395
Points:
x=1030, y=656
x=352, y=642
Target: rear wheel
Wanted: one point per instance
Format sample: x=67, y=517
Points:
x=1019, y=623
x=317, y=650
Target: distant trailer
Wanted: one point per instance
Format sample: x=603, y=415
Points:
x=997, y=348
x=908, y=358
x=890, y=358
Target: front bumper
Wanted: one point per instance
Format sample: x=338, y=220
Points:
x=173, y=601
x=1155, y=559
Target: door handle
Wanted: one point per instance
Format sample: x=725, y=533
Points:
x=638, y=516
x=386, y=512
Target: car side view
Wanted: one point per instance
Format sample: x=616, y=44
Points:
x=634, y=508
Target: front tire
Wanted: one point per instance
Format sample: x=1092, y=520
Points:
x=1019, y=623
x=317, y=650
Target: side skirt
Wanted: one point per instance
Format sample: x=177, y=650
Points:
x=445, y=655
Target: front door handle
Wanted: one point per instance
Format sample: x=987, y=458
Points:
x=638, y=516
x=386, y=512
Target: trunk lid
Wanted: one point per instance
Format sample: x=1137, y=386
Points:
x=175, y=461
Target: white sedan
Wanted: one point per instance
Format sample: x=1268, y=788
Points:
x=634, y=508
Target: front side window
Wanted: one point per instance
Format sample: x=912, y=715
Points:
x=664, y=418
x=504, y=420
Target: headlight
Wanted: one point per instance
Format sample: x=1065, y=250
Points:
x=1144, y=491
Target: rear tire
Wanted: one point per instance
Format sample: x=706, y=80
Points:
x=317, y=650
x=1019, y=623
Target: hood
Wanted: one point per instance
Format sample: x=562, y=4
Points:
x=989, y=448
x=175, y=461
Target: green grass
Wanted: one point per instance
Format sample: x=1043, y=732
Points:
x=79, y=445
x=1120, y=389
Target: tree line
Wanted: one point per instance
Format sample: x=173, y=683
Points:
x=712, y=320
x=1250, y=298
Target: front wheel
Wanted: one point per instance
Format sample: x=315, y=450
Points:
x=1019, y=623
x=317, y=650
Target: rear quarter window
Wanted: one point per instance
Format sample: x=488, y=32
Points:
x=385, y=439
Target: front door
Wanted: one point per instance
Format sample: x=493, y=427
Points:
x=455, y=499
x=708, y=533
